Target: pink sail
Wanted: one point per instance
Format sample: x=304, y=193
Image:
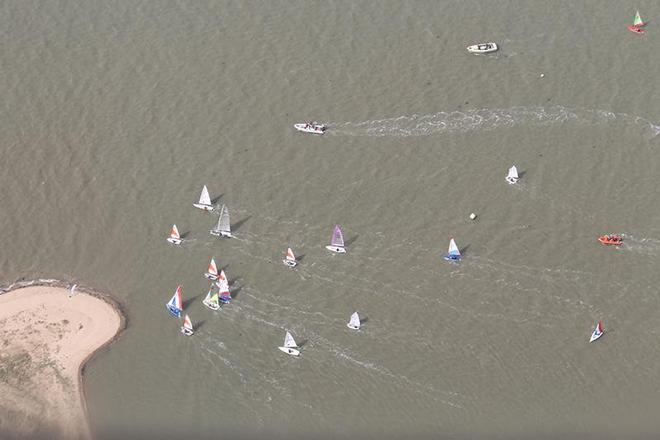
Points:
x=337, y=237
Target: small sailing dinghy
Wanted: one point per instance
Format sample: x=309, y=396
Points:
x=598, y=332
x=175, y=306
x=187, y=327
x=175, y=237
x=223, y=288
x=204, y=200
x=354, y=323
x=611, y=239
x=212, y=271
x=453, y=254
x=638, y=24
x=482, y=48
x=223, y=228
x=310, y=127
x=290, y=259
x=512, y=177
x=337, y=241
x=211, y=301
x=290, y=346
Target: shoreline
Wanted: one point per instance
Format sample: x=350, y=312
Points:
x=52, y=287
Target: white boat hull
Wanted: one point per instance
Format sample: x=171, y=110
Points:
x=290, y=351
x=336, y=249
x=174, y=241
x=222, y=234
x=290, y=263
x=187, y=332
x=203, y=207
x=211, y=305
x=211, y=276
x=511, y=180
x=310, y=128
x=352, y=327
x=482, y=48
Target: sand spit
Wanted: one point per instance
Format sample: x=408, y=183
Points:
x=47, y=336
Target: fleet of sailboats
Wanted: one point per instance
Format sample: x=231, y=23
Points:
x=214, y=298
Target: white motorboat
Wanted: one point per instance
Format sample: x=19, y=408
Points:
x=310, y=127
x=482, y=48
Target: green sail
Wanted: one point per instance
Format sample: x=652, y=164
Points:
x=214, y=299
x=638, y=20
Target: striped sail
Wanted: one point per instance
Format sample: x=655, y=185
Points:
x=187, y=323
x=175, y=305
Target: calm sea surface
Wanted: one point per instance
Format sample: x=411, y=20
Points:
x=115, y=113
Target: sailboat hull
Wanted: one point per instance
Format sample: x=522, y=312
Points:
x=511, y=180
x=595, y=337
x=211, y=276
x=452, y=257
x=289, y=351
x=221, y=234
x=174, y=311
x=203, y=207
x=174, y=241
x=352, y=327
x=290, y=263
x=636, y=29
x=187, y=331
x=336, y=249
x=210, y=305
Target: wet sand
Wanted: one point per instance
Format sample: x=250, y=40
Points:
x=47, y=337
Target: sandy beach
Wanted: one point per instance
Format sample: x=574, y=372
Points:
x=47, y=337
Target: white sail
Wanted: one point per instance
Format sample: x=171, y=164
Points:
x=204, y=200
x=512, y=177
x=453, y=248
x=223, y=222
x=289, y=255
x=204, y=197
x=289, y=342
x=354, y=323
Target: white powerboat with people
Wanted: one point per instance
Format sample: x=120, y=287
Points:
x=482, y=48
x=310, y=127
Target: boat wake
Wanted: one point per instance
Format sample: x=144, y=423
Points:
x=486, y=119
x=646, y=246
